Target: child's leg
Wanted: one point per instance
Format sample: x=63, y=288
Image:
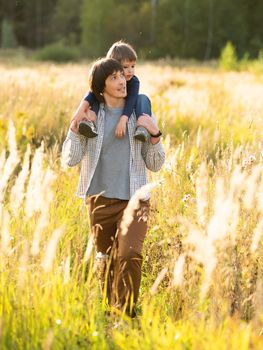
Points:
x=95, y=107
x=87, y=128
x=143, y=105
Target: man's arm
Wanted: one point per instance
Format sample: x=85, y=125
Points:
x=74, y=146
x=152, y=151
x=84, y=106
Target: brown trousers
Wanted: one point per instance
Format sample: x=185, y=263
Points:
x=124, y=275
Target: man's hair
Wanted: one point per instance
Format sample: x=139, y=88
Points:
x=100, y=71
x=122, y=51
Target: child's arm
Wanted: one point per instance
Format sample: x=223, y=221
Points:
x=88, y=101
x=132, y=94
x=81, y=111
x=90, y=98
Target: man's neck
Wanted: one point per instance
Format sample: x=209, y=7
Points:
x=114, y=102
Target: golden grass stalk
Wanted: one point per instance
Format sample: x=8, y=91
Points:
x=51, y=249
x=89, y=248
x=134, y=204
x=257, y=234
x=201, y=194
x=67, y=270
x=11, y=161
x=17, y=192
x=178, y=272
x=33, y=195
x=158, y=280
x=5, y=233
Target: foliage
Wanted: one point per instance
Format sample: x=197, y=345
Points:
x=58, y=52
x=228, y=58
x=8, y=39
x=197, y=29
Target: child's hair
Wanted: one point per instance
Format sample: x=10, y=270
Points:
x=122, y=51
x=100, y=71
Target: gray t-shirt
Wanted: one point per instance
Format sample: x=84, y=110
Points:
x=112, y=174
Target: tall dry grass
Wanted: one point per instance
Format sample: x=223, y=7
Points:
x=202, y=275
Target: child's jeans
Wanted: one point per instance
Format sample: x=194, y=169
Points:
x=143, y=105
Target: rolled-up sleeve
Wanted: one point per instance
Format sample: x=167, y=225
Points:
x=153, y=155
x=73, y=148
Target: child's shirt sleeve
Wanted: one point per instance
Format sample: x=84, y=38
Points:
x=90, y=98
x=132, y=93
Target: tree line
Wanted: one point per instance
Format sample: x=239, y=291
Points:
x=157, y=28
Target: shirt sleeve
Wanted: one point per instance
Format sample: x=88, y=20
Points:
x=132, y=93
x=90, y=98
x=153, y=154
x=73, y=149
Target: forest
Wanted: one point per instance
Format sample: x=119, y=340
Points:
x=196, y=29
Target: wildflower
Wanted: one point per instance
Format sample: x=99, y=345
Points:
x=186, y=198
x=251, y=159
x=177, y=336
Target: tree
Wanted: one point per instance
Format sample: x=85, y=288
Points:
x=65, y=21
x=8, y=39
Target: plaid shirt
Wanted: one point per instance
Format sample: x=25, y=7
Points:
x=78, y=148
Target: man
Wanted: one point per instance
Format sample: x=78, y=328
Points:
x=115, y=169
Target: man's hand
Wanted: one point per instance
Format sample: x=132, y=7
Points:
x=90, y=116
x=149, y=124
x=120, y=130
x=81, y=110
x=83, y=113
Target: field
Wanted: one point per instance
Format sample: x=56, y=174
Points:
x=202, y=282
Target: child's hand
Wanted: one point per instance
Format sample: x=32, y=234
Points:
x=120, y=130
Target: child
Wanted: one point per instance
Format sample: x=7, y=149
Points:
x=126, y=55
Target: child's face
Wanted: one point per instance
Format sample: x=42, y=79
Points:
x=128, y=68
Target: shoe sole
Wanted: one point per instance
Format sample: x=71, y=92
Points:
x=85, y=130
x=140, y=137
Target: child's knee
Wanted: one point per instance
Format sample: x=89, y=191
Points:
x=143, y=105
x=141, y=99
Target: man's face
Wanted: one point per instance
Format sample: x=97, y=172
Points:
x=128, y=68
x=115, y=85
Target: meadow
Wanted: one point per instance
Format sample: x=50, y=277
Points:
x=202, y=282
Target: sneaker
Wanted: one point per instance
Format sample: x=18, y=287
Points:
x=141, y=134
x=87, y=129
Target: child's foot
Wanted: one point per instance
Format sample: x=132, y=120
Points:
x=87, y=129
x=141, y=134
